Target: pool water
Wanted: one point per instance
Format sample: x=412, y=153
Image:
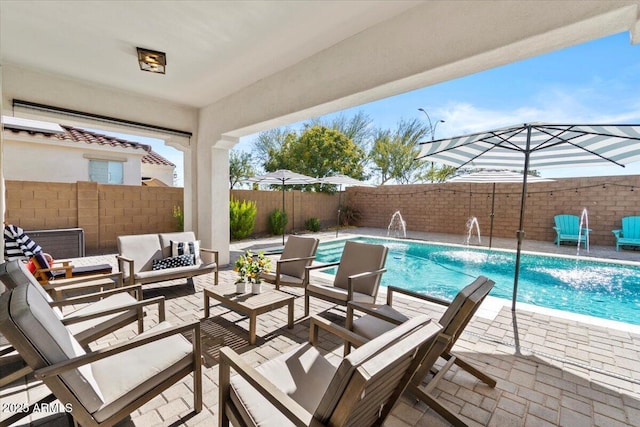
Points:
x=600, y=289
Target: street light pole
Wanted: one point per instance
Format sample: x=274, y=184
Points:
x=432, y=130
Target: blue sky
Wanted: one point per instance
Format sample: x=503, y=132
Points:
x=596, y=82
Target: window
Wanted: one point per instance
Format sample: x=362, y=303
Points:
x=106, y=172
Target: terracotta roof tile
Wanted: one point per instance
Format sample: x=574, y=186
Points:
x=74, y=134
x=154, y=158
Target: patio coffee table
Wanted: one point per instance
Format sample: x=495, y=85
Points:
x=249, y=304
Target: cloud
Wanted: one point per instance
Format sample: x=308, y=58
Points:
x=556, y=105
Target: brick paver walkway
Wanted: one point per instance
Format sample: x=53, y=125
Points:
x=555, y=371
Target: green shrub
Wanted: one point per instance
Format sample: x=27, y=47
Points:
x=242, y=218
x=178, y=215
x=277, y=221
x=312, y=224
x=349, y=215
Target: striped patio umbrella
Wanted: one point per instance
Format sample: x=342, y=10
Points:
x=537, y=146
x=495, y=177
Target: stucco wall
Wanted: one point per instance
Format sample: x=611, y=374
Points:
x=63, y=162
x=163, y=173
x=445, y=208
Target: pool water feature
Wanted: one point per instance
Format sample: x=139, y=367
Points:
x=601, y=289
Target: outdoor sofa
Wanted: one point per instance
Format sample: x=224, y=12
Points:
x=152, y=258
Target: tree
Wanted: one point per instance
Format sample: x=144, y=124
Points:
x=269, y=142
x=240, y=167
x=394, y=153
x=357, y=128
x=319, y=151
x=437, y=173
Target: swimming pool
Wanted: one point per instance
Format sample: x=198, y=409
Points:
x=600, y=289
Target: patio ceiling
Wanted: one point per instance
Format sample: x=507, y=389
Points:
x=213, y=48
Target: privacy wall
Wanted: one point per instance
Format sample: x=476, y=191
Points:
x=445, y=208
x=108, y=211
x=103, y=211
x=299, y=206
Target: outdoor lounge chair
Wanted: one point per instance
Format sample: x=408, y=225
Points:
x=629, y=235
x=568, y=230
x=358, y=277
x=298, y=253
x=382, y=318
x=105, y=386
x=20, y=246
x=303, y=388
x=114, y=309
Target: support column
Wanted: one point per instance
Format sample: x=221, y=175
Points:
x=210, y=184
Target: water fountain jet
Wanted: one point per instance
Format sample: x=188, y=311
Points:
x=470, y=225
x=397, y=226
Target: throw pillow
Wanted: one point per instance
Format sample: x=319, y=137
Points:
x=183, y=248
x=42, y=261
x=176, y=261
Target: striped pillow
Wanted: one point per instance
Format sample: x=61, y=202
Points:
x=182, y=248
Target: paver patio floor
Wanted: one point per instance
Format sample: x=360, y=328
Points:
x=557, y=369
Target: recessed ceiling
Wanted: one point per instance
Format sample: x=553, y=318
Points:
x=213, y=48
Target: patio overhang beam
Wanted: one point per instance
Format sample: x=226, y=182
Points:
x=18, y=103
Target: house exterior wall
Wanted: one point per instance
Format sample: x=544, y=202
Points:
x=163, y=173
x=445, y=208
x=32, y=160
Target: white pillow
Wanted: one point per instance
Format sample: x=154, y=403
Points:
x=183, y=248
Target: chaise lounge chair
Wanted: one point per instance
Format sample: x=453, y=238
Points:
x=105, y=386
x=568, y=230
x=303, y=388
x=629, y=235
x=381, y=318
x=358, y=276
x=298, y=253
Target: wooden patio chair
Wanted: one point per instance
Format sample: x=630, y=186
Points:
x=99, y=313
x=299, y=252
x=105, y=386
x=302, y=388
x=379, y=319
x=358, y=276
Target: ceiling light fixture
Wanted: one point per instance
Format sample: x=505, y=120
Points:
x=151, y=60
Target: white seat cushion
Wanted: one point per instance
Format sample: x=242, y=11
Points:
x=338, y=293
x=302, y=373
x=369, y=326
x=48, y=336
x=89, y=327
x=142, y=367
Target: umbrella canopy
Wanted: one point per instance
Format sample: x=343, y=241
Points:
x=537, y=146
x=342, y=180
x=283, y=177
x=494, y=177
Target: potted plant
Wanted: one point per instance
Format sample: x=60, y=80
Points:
x=249, y=267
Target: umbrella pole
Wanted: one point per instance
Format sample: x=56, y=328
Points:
x=491, y=215
x=338, y=222
x=283, y=212
x=520, y=232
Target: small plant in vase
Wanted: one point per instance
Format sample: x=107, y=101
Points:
x=249, y=267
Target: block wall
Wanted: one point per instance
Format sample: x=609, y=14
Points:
x=445, y=208
x=103, y=211
x=299, y=206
